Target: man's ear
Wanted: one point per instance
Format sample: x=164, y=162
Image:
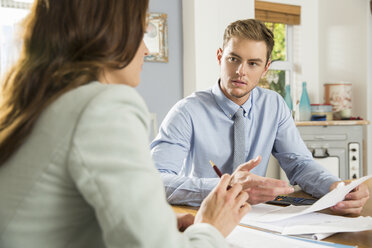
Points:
x=219, y=55
x=266, y=68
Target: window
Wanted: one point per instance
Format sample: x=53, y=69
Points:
x=281, y=69
x=11, y=14
x=280, y=19
x=16, y=4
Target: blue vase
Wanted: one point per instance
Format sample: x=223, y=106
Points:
x=305, y=108
x=288, y=98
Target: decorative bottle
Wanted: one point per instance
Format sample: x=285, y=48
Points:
x=304, y=107
x=288, y=98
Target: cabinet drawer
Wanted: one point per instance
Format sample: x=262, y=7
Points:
x=310, y=137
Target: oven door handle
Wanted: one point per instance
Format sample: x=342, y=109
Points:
x=325, y=154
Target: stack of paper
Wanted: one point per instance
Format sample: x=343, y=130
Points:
x=302, y=220
x=243, y=237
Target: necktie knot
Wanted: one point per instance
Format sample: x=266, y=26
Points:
x=239, y=113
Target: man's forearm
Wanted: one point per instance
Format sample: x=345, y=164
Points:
x=182, y=190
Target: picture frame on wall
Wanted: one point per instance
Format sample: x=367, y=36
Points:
x=156, y=37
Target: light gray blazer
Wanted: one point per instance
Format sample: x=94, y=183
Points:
x=84, y=178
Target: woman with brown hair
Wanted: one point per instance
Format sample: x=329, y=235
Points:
x=75, y=165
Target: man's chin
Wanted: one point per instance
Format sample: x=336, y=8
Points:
x=239, y=95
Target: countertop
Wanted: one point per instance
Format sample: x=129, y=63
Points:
x=332, y=123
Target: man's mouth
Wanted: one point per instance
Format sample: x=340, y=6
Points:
x=238, y=83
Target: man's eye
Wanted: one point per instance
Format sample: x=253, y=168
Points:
x=232, y=59
x=253, y=64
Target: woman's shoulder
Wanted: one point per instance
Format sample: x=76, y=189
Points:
x=97, y=90
x=93, y=99
x=98, y=94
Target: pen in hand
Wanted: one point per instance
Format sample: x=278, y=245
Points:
x=218, y=172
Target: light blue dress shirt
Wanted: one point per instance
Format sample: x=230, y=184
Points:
x=199, y=128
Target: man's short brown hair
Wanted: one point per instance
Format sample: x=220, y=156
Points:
x=250, y=29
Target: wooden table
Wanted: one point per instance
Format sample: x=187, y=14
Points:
x=360, y=239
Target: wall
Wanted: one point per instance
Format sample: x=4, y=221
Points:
x=203, y=25
x=162, y=83
x=369, y=88
x=345, y=53
x=343, y=45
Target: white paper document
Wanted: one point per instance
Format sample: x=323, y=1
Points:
x=301, y=220
x=242, y=237
x=328, y=200
x=311, y=223
x=329, y=225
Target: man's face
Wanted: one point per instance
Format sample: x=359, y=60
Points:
x=243, y=63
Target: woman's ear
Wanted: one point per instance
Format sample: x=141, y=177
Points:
x=219, y=55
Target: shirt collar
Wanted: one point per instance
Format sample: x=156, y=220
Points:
x=228, y=106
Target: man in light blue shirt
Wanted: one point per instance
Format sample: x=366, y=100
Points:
x=199, y=128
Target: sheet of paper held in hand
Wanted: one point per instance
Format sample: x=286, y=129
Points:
x=294, y=220
x=328, y=200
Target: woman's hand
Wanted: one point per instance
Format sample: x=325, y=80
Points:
x=224, y=208
x=184, y=221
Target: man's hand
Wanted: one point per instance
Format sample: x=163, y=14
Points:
x=184, y=221
x=353, y=202
x=260, y=189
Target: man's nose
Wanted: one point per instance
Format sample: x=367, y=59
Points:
x=241, y=71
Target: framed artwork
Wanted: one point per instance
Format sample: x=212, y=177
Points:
x=156, y=37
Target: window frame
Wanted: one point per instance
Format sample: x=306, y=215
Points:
x=288, y=64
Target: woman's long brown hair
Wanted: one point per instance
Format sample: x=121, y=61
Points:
x=66, y=44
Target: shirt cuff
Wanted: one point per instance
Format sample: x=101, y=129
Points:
x=208, y=185
x=324, y=189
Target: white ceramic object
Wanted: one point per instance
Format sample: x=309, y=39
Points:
x=339, y=95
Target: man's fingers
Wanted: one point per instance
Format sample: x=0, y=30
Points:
x=260, y=199
x=351, y=204
x=255, y=181
x=343, y=211
x=354, y=201
x=269, y=192
x=358, y=193
x=259, y=194
x=250, y=164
